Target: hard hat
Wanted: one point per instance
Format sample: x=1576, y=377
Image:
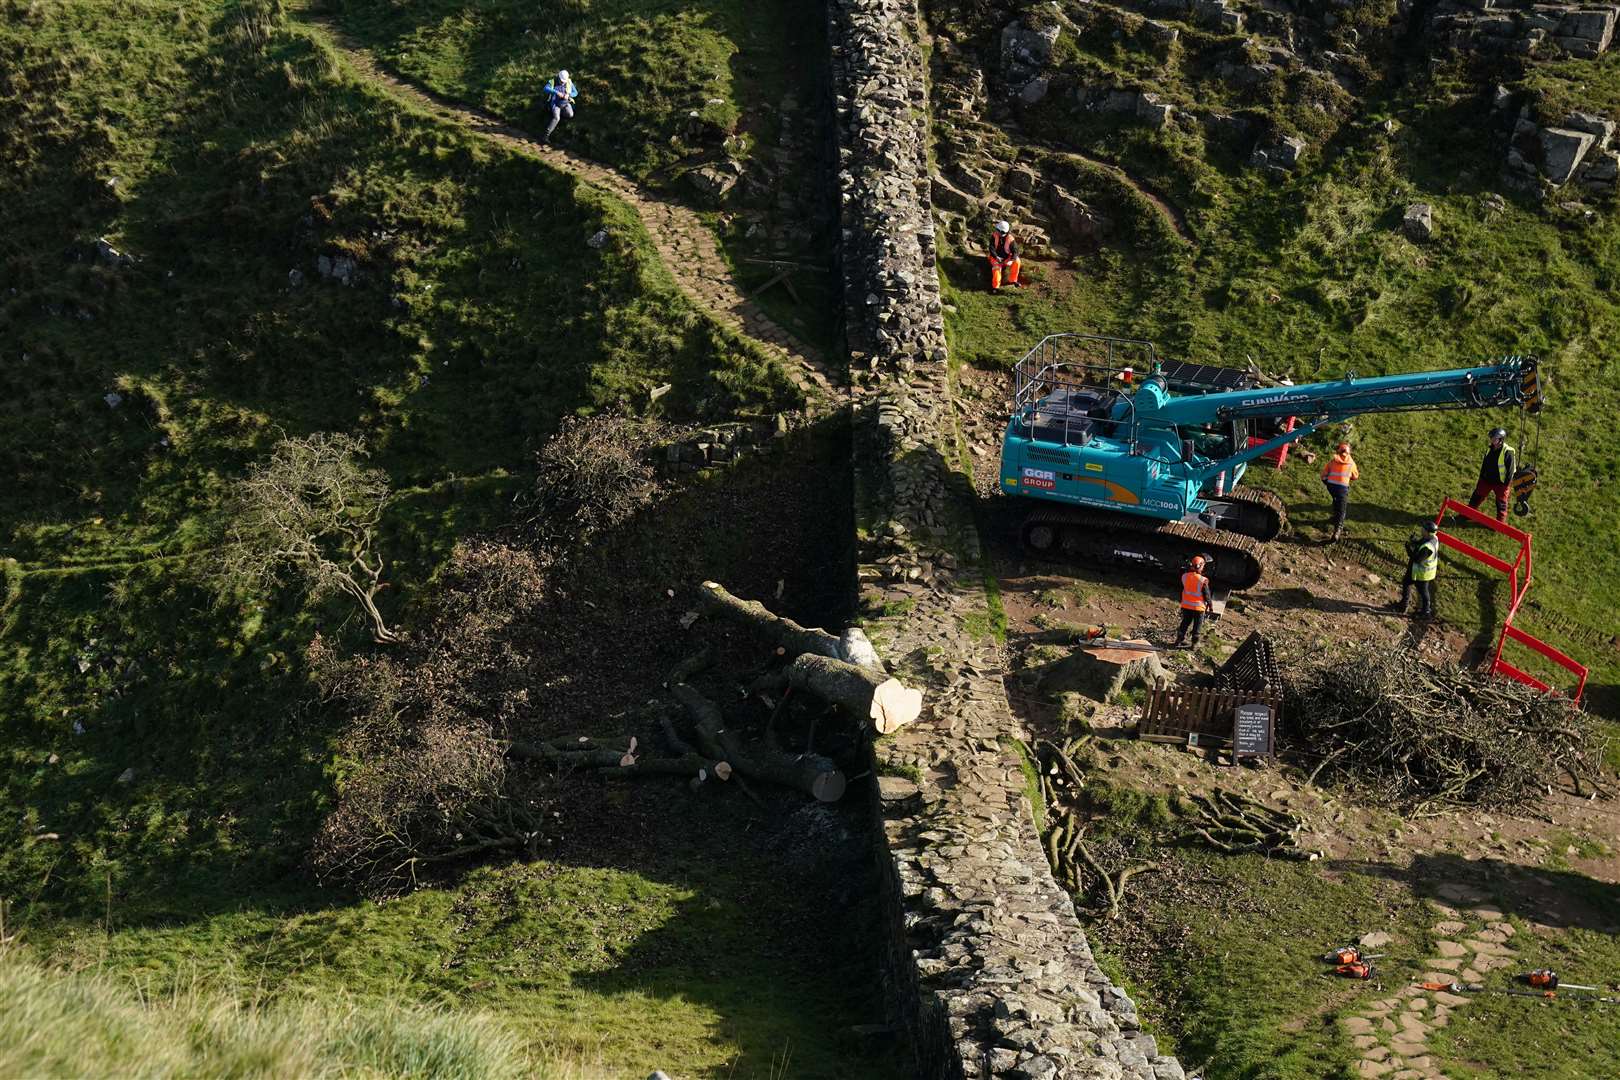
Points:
x=562, y=76
x=1002, y=226
x=1198, y=562
x=1498, y=433
x=1431, y=527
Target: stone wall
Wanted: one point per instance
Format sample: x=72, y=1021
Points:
x=991, y=973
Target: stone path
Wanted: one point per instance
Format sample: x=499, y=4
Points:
x=1392, y=1033
x=688, y=248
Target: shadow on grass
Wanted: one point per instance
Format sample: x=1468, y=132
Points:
x=1554, y=898
x=652, y=906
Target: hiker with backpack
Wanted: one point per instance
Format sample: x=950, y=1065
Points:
x=560, y=93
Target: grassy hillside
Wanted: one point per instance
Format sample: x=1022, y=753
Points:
x=693, y=70
x=221, y=149
x=80, y=1025
x=666, y=88
x=178, y=174
x=1309, y=274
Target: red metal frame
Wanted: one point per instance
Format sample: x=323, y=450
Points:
x=1279, y=456
x=1518, y=575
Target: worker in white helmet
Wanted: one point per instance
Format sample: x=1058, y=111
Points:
x=560, y=93
x=1003, y=257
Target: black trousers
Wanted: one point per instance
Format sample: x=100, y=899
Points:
x=1341, y=502
x=1425, y=591
x=1194, y=619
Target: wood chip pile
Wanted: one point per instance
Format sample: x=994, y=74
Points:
x=1398, y=730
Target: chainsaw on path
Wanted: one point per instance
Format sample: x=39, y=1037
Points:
x=1349, y=962
x=1545, y=995
x=1096, y=637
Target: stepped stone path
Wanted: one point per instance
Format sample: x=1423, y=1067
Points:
x=1392, y=1033
x=688, y=248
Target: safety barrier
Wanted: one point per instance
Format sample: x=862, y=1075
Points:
x=1518, y=576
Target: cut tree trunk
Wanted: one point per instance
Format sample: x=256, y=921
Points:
x=865, y=693
x=819, y=665
x=791, y=638
x=614, y=762
x=809, y=773
x=1100, y=673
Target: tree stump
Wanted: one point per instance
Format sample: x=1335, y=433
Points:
x=1100, y=674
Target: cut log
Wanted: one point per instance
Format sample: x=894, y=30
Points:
x=811, y=774
x=611, y=762
x=791, y=638
x=866, y=693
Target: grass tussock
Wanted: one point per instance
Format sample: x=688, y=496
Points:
x=58, y=1024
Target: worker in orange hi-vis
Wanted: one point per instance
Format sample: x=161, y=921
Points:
x=1337, y=475
x=1195, y=601
x=1003, y=257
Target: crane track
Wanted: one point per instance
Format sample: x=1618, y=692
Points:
x=1099, y=537
x=1267, y=504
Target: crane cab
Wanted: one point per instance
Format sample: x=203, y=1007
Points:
x=1082, y=429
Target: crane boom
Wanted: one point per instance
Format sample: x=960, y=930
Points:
x=1512, y=381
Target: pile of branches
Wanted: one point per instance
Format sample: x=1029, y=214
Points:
x=1406, y=733
x=1235, y=825
x=426, y=780
x=1077, y=863
x=1102, y=867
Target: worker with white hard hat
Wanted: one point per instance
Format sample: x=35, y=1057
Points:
x=1495, y=474
x=560, y=93
x=1003, y=257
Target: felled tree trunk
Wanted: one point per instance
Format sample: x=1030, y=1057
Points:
x=864, y=693
x=789, y=636
x=619, y=764
x=819, y=666
x=809, y=773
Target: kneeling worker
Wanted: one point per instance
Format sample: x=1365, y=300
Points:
x=1003, y=257
x=1195, y=600
x=1422, y=564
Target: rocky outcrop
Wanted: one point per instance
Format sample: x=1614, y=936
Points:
x=990, y=971
x=1524, y=27
x=1577, y=150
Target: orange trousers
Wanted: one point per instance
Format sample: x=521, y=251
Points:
x=998, y=267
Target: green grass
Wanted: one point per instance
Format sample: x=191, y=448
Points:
x=665, y=87
x=67, y=1025
x=1223, y=952
x=1501, y=1035
x=233, y=164
x=662, y=966
x=163, y=764
x=1311, y=277
x=1242, y=1002
x=635, y=104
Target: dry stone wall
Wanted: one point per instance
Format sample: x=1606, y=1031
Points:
x=990, y=970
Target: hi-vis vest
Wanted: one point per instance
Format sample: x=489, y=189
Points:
x=1428, y=560
x=1338, y=471
x=1192, y=590
x=1498, y=459
x=1002, y=246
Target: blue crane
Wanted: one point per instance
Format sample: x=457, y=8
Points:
x=1138, y=461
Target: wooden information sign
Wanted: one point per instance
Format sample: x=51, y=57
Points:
x=1253, y=728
